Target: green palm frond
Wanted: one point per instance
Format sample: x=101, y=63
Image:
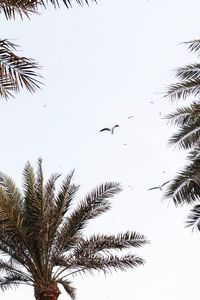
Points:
x=26, y=8
x=193, y=46
x=16, y=72
x=187, y=137
x=189, y=72
x=184, y=115
x=194, y=218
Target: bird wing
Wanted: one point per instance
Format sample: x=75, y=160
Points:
x=165, y=183
x=154, y=188
x=105, y=129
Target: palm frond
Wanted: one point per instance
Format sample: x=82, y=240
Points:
x=97, y=243
x=11, y=281
x=94, y=204
x=184, y=115
x=193, y=46
x=16, y=72
x=194, y=218
x=194, y=154
x=185, y=187
x=187, y=137
x=107, y=263
x=189, y=72
x=26, y=8
x=71, y=291
x=183, y=89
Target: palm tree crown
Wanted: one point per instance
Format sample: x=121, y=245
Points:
x=42, y=234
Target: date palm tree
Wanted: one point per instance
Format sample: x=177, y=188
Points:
x=21, y=72
x=42, y=234
x=184, y=188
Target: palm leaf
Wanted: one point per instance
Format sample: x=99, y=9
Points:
x=193, y=46
x=106, y=263
x=97, y=243
x=194, y=218
x=16, y=72
x=71, y=291
x=15, y=280
x=185, y=187
x=184, y=115
x=23, y=8
x=184, y=89
x=189, y=72
x=94, y=204
x=187, y=137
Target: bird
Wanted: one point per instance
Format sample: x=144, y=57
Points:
x=130, y=117
x=131, y=187
x=109, y=129
x=159, y=187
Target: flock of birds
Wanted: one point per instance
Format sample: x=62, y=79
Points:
x=111, y=130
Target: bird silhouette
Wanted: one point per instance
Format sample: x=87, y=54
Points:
x=109, y=129
x=159, y=187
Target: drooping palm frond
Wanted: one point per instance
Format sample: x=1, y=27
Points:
x=7, y=282
x=194, y=154
x=188, y=136
x=185, y=187
x=193, y=218
x=193, y=46
x=189, y=72
x=184, y=115
x=11, y=8
x=16, y=72
x=184, y=89
x=71, y=291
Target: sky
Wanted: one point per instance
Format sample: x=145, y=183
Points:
x=100, y=65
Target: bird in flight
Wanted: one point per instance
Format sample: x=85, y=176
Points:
x=109, y=129
x=129, y=117
x=159, y=187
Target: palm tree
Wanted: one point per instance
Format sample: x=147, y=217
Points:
x=16, y=72
x=184, y=188
x=41, y=233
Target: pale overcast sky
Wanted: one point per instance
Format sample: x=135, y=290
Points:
x=100, y=65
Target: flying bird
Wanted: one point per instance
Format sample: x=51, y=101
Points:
x=159, y=187
x=109, y=129
x=130, y=117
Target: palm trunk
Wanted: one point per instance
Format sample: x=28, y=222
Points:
x=46, y=291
